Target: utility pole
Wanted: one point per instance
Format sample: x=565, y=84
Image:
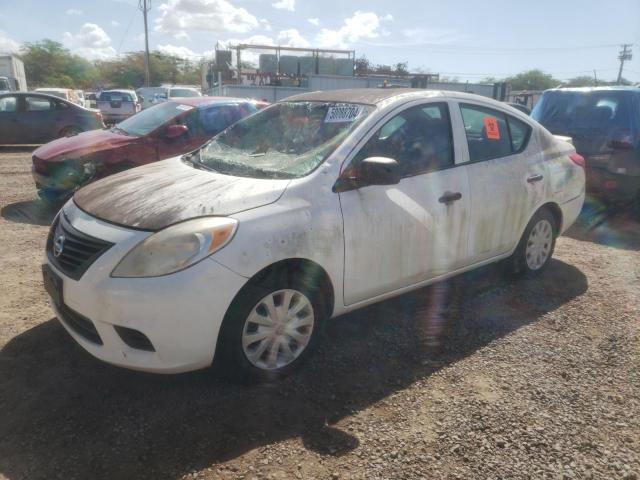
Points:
x=625, y=54
x=145, y=6
x=595, y=78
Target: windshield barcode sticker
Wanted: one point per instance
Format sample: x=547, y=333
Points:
x=346, y=113
x=184, y=107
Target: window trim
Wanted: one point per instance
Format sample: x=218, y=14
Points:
x=506, y=116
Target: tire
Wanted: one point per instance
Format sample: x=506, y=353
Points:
x=249, y=358
x=535, y=249
x=69, y=131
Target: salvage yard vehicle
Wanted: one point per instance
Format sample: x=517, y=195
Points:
x=34, y=119
x=118, y=105
x=163, y=131
x=313, y=207
x=64, y=93
x=604, y=123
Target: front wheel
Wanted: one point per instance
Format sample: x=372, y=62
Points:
x=270, y=330
x=536, y=246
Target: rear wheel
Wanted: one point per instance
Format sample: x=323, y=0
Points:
x=535, y=249
x=271, y=328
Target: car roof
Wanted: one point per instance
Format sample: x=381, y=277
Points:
x=200, y=101
x=375, y=96
x=53, y=89
x=594, y=89
x=369, y=96
x=118, y=90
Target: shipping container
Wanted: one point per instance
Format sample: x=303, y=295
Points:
x=12, y=69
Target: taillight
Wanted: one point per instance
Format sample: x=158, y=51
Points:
x=577, y=159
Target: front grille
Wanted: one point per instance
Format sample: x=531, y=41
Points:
x=72, y=251
x=79, y=324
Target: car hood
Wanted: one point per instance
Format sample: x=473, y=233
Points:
x=82, y=144
x=163, y=193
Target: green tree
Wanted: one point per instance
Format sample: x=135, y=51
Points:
x=532, y=80
x=49, y=63
x=581, y=81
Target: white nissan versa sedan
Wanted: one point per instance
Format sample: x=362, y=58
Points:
x=316, y=206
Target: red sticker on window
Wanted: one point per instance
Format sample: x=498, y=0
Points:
x=491, y=127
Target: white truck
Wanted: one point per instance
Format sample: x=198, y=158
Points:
x=12, y=77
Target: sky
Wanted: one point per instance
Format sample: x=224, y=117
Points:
x=463, y=39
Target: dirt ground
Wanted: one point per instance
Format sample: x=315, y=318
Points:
x=481, y=377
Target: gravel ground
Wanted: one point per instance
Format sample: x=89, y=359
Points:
x=480, y=377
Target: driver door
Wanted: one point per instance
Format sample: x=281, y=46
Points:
x=400, y=235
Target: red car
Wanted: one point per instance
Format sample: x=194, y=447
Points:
x=162, y=131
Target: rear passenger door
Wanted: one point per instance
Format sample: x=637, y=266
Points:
x=38, y=120
x=505, y=179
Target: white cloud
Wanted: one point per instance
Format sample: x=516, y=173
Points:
x=435, y=36
x=291, y=38
x=8, y=45
x=359, y=26
x=176, y=51
x=115, y=23
x=74, y=12
x=177, y=17
x=314, y=21
x=285, y=5
x=91, y=42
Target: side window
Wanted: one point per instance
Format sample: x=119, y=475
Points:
x=216, y=119
x=487, y=133
x=61, y=106
x=520, y=132
x=37, y=104
x=8, y=104
x=419, y=139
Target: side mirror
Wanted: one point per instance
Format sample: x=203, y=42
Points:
x=175, y=131
x=370, y=171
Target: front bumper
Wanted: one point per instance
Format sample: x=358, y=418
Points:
x=613, y=187
x=180, y=314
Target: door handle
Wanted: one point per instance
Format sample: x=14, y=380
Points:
x=534, y=178
x=449, y=197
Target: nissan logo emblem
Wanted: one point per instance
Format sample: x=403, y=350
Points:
x=58, y=246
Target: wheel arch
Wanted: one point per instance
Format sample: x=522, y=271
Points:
x=310, y=271
x=556, y=211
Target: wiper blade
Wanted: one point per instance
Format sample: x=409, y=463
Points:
x=117, y=129
x=196, y=162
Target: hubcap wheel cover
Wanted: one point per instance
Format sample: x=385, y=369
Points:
x=539, y=244
x=278, y=329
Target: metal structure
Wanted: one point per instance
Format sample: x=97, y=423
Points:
x=310, y=68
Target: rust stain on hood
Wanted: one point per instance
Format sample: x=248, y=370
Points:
x=160, y=194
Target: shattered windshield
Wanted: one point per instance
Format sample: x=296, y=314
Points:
x=287, y=140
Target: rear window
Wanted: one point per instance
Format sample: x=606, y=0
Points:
x=565, y=113
x=115, y=97
x=184, y=92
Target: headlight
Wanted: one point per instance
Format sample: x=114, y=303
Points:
x=176, y=248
